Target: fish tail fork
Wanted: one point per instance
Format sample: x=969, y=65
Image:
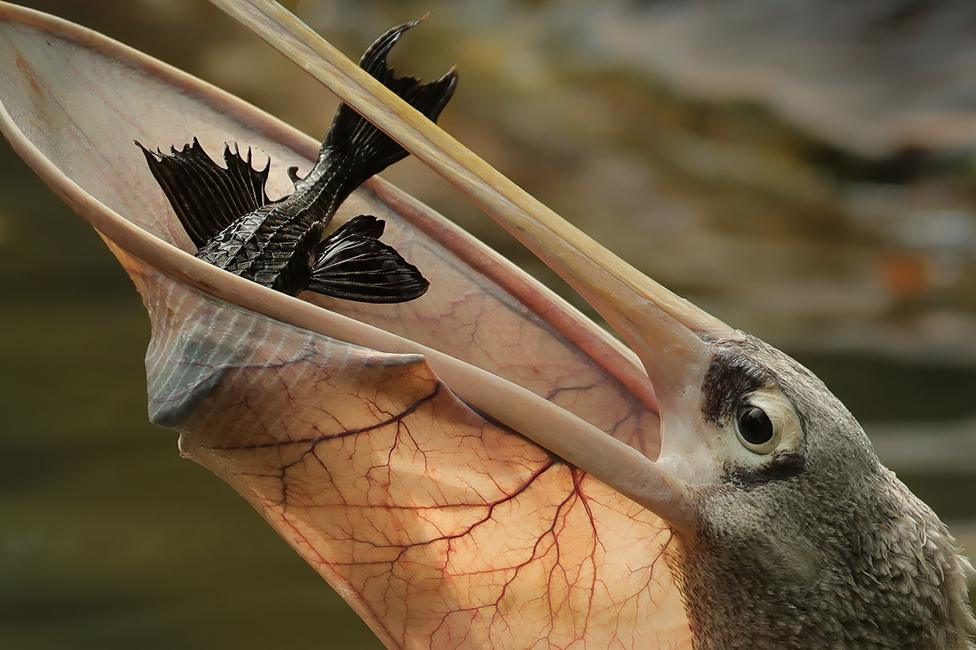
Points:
x=351, y=136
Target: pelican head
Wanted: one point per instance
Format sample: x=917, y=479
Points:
x=794, y=534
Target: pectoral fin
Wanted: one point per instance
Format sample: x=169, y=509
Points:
x=353, y=264
x=205, y=196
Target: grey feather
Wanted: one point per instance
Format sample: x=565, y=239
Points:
x=839, y=554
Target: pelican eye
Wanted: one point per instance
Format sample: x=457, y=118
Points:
x=755, y=429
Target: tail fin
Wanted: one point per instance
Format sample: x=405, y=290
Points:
x=353, y=135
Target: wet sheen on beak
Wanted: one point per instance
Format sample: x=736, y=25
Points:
x=664, y=330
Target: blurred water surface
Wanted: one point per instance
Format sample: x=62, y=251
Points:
x=807, y=175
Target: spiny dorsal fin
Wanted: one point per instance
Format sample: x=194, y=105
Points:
x=353, y=264
x=205, y=196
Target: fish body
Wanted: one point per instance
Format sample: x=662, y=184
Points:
x=281, y=244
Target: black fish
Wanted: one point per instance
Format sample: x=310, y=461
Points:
x=280, y=244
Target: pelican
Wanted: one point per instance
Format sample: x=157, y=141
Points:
x=483, y=467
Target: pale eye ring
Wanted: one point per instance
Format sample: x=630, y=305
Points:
x=755, y=430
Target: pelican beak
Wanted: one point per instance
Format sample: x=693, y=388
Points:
x=670, y=335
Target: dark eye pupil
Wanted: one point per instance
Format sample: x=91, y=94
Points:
x=754, y=425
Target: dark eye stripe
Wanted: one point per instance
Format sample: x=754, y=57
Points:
x=781, y=467
x=730, y=377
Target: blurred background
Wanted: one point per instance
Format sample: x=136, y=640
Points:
x=804, y=170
